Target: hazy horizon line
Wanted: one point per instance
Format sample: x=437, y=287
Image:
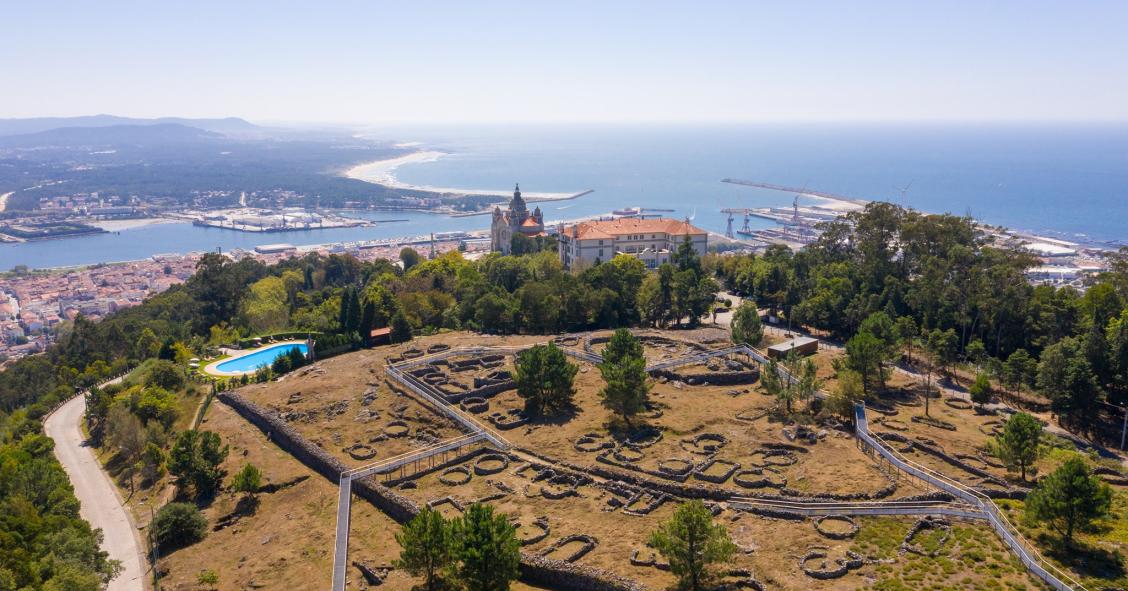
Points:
x=600, y=121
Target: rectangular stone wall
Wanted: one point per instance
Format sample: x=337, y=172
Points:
x=554, y=574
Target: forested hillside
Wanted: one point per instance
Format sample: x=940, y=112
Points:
x=938, y=280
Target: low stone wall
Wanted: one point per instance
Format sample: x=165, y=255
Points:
x=395, y=505
x=713, y=378
x=483, y=392
x=590, y=340
x=775, y=513
x=640, y=478
x=556, y=574
x=688, y=491
x=535, y=569
x=937, y=452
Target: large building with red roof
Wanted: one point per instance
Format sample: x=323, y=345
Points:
x=650, y=240
x=515, y=220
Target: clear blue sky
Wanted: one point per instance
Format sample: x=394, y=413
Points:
x=484, y=61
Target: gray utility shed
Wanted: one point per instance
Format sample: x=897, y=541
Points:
x=801, y=346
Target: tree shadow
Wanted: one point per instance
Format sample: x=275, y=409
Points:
x=246, y=506
x=912, y=395
x=557, y=417
x=1084, y=559
x=951, y=383
x=640, y=430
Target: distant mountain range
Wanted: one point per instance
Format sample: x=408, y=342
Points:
x=111, y=135
x=228, y=125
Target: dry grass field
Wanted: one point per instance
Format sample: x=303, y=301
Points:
x=733, y=437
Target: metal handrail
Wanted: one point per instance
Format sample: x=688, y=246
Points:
x=417, y=454
x=448, y=409
x=1027, y=553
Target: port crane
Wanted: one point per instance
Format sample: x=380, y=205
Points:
x=731, y=211
x=747, y=213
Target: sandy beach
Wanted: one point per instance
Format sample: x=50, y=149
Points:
x=382, y=172
x=835, y=204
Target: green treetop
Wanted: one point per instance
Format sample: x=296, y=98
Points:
x=426, y=547
x=624, y=371
x=694, y=546
x=746, y=326
x=1069, y=499
x=487, y=550
x=1017, y=444
x=545, y=379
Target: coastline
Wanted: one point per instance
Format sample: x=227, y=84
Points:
x=382, y=172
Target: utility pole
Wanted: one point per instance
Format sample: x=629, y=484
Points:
x=1124, y=429
x=155, y=549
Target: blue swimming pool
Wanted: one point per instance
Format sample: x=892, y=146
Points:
x=253, y=361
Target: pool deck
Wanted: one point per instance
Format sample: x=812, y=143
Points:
x=212, y=368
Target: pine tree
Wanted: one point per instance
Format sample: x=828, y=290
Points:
x=865, y=354
x=401, y=328
x=1069, y=499
x=196, y=459
x=746, y=326
x=487, y=550
x=622, y=344
x=980, y=389
x=627, y=391
x=545, y=379
x=907, y=332
x=247, y=481
x=694, y=546
x=1017, y=445
x=426, y=547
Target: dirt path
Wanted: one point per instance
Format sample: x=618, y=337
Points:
x=101, y=505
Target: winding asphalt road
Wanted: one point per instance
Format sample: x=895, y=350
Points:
x=101, y=505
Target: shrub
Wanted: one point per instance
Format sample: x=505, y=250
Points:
x=248, y=480
x=980, y=389
x=165, y=374
x=179, y=524
x=208, y=577
x=196, y=458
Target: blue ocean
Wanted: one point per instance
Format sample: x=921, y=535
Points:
x=1068, y=181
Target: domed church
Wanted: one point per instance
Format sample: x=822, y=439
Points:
x=513, y=221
